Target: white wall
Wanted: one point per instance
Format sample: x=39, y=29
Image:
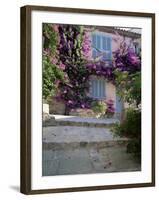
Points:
x=9, y=101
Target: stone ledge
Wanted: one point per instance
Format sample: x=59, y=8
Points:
x=79, y=121
x=85, y=144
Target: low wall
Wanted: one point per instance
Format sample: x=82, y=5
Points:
x=56, y=107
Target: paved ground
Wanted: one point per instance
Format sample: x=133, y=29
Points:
x=81, y=150
x=88, y=160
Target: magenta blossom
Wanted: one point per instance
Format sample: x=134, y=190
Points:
x=54, y=61
x=62, y=66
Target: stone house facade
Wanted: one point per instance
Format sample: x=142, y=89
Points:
x=105, y=40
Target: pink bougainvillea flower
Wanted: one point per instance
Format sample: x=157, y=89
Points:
x=62, y=66
x=135, y=60
x=70, y=102
x=46, y=51
x=54, y=61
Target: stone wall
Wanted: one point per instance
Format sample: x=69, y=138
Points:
x=45, y=111
x=56, y=107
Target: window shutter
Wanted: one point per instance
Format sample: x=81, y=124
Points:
x=104, y=43
x=94, y=53
x=98, y=88
x=103, y=88
x=98, y=42
x=98, y=46
x=108, y=44
x=109, y=50
x=101, y=43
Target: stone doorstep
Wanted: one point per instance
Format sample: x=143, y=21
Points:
x=83, y=144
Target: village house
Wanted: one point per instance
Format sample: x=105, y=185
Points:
x=105, y=41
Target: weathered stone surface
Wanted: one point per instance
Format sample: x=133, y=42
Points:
x=84, y=149
x=49, y=121
x=85, y=160
x=63, y=120
x=56, y=107
x=46, y=116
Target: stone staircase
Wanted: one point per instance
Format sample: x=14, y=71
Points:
x=74, y=145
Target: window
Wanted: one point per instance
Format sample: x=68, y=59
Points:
x=97, y=88
x=102, y=46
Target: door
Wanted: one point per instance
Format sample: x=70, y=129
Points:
x=119, y=104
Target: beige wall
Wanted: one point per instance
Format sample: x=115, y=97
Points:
x=110, y=92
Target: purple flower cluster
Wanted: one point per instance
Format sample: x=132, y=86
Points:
x=86, y=45
x=128, y=61
x=74, y=91
x=67, y=45
x=101, y=68
x=110, y=107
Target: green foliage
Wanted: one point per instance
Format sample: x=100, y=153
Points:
x=130, y=128
x=129, y=86
x=99, y=107
x=51, y=74
x=51, y=71
x=50, y=38
x=134, y=147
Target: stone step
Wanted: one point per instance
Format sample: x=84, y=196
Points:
x=60, y=137
x=83, y=144
x=62, y=120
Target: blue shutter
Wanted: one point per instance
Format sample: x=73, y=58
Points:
x=103, y=88
x=109, y=46
x=98, y=88
x=94, y=53
x=93, y=88
x=119, y=104
x=104, y=43
x=98, y=44
x=104, y=47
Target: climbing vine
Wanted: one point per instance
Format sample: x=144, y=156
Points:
x=52, y=67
